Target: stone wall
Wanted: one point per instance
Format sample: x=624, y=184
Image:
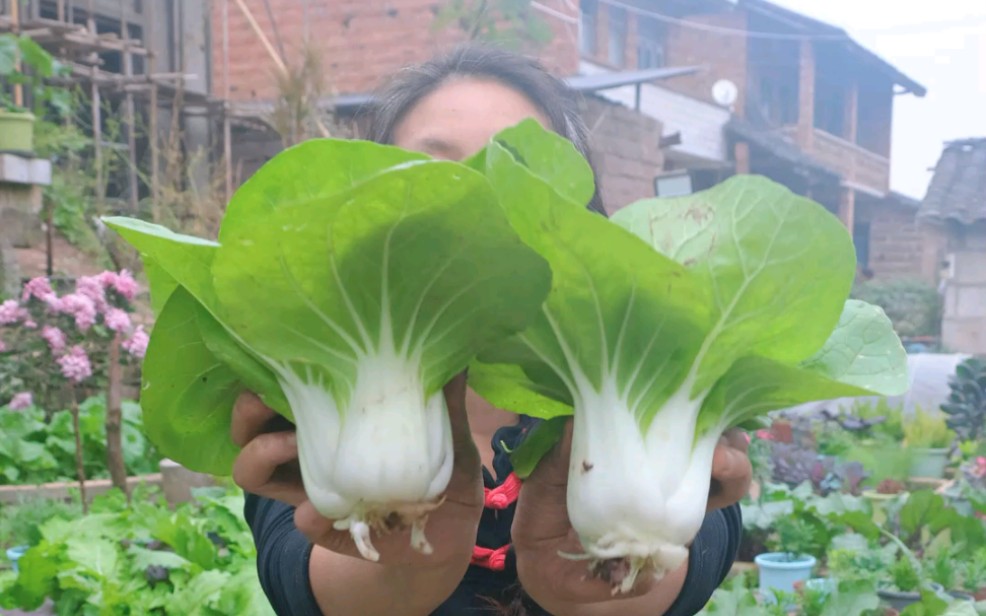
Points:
x=964, y=321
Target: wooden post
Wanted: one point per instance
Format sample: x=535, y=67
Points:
x=847, y=208
x=152, y=112
x=133, y=184
x=806, y=95
x=852, y=113
x=741, y=152
x=227, y=129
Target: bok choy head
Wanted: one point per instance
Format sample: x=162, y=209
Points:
x=665, y=326
x=349, y=283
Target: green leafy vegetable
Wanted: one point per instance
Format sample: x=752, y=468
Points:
x=350, y=283
x=688, y=316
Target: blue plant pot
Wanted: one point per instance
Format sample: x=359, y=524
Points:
x=14, y=554
x=779, y=572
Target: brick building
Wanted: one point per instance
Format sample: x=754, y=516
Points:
x=779, y=94
x=954, y=210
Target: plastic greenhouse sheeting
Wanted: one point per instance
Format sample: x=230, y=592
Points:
x=929, y=374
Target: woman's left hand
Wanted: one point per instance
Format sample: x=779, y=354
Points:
x=541, y=529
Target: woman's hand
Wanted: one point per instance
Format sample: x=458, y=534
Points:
x=268, y=466
x=542, y=529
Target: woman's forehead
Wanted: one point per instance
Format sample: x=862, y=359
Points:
x=458, y=118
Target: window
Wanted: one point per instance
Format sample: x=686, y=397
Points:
x=588, y=10
x=650, y=43
x=617, y=35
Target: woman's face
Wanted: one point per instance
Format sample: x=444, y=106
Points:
x=457, y=119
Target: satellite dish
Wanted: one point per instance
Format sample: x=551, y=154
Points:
x=725, y=92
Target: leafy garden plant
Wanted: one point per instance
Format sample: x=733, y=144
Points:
x=35, y=66
x=350, y=281
x=927, y=431
x=56, y=349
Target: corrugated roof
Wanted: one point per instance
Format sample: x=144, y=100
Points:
x=958, y=188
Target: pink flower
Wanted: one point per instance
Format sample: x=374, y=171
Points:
x=30, y=324
x=82, y=308
x=136, y=345
x=117, y=320
x=123, y=283
x=11, y=312
x=92, y=287
x=765, y=435
x=21, y=401
x=38, y=287
x=54, y=337
x=75, y=365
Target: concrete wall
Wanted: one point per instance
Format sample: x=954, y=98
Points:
x=900, y=245
x=964, y=322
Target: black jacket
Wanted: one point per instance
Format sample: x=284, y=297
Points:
x=283, y=552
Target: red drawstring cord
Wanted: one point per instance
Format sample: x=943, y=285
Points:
x=489, y=558
x=499, y=497
x=504, y=494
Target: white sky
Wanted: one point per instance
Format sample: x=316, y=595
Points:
x=941, y=45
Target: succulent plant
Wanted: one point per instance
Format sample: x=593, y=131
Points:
x=966, y=404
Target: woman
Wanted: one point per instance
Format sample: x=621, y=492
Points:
x=494, y=551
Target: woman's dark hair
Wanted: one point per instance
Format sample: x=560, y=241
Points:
x=526, y=75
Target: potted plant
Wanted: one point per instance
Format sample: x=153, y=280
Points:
x=792, y=562
x=904, y=582
x=928, y=438
x=14, y=554
x=966, y=404
x=23, y=62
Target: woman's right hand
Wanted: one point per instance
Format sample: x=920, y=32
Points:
x=268, y=466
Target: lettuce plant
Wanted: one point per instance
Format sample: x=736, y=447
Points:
x=349, y=283
x=684, y=318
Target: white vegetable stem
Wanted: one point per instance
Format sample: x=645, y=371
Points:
x=636, y=499
x=382, y=460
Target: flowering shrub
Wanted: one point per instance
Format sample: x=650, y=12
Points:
x=56, y=349
x=48, y=340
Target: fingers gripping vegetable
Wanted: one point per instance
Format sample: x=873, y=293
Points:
x=350, y=282
x=685, y=318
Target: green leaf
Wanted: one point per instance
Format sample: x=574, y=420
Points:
x=612, y=299
x=779, y=266
x=509, y=388
x=852, y=598
x=188, y=404
x=863, y=356
x=308, y=173
x=923, y=508
x=183, y=258
x=255, y=376
x=419, y=257
x=551, y=158
x=536, y=445
x=929, y=605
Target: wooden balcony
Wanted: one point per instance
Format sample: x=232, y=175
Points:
x=858, y=167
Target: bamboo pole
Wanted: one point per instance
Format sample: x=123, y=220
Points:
x=15, y=19
x=278, y=61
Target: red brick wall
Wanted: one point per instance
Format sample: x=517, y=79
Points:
x=625, y=149
x=361, y=41
x=900, y=246
x=725, y=56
